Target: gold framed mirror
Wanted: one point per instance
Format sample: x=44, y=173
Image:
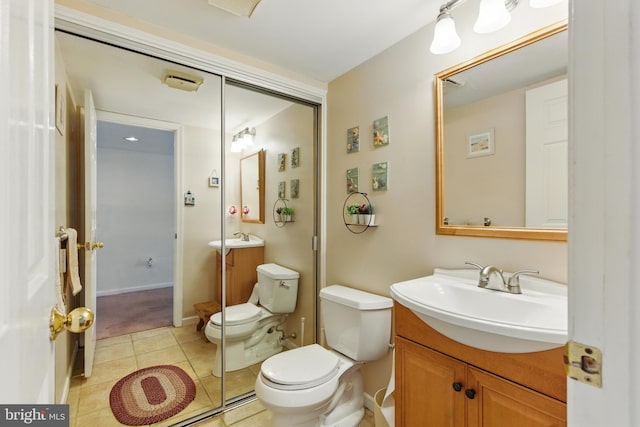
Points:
x=252, y=175
x=501, y=141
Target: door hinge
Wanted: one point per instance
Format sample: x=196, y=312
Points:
x=583, y=363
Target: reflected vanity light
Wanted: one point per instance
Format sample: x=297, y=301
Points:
x=493, y=15
x=242, y=140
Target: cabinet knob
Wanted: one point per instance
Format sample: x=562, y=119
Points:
x=471, y=393
x=457, y=386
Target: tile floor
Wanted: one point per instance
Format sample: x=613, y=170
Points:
x=183, y=347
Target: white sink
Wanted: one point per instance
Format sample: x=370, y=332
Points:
x=234, y=243
x=451, y=302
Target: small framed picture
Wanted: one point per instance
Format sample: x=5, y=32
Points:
x=295, y=188
x=381, y=132
x=480, y=144
x=282, y=160
x=353, y=140
x=214, y=181
x=282, y=190
x=352, y=180
x=295, y=157
x=380, y=176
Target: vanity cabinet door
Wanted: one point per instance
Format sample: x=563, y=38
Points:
x=501, y=403
x=432, y=390
x=241, y=273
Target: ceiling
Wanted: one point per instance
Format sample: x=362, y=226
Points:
x=318, y=39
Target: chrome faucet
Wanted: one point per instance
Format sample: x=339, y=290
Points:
x=512, y=285
x=243, y=236
x=485, y=275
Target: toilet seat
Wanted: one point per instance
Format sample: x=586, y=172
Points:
x=299, y=369
x=237, y=315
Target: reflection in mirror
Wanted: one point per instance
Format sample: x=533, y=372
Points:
x=501, y=141
x=252, y=187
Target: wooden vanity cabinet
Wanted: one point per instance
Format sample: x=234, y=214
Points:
x=442, y=383
x=241, y=273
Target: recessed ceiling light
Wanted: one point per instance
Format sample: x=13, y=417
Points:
x=131, y=139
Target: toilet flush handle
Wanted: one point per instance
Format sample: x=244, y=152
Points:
x=284, y=284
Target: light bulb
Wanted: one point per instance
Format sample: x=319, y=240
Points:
x=493, y=16
x=445, y=37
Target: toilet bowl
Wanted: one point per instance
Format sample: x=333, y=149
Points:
x=251, y=328
x=312, y=386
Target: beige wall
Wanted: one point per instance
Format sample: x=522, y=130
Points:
x=399, y=83
x=488, y=186
x=201, y=155
x=290, y=246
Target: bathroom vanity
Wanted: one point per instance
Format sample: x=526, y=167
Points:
x=441, y=382
x=241, y=275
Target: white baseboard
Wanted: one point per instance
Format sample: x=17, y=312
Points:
x=134, y=289
x=67, y=381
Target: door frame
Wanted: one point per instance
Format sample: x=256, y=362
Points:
x=178, y=243
x=74, y=21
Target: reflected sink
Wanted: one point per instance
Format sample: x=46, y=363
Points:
x=234, y=243
x=451, y=303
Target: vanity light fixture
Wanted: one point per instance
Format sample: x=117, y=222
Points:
x=131, y=139
x=242, y=140
x=493, y=15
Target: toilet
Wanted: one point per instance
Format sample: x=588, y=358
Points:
x=311, y=386
x=251, y=329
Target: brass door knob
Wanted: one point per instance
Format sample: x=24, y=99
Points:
x=79, y=320
x=97, y=245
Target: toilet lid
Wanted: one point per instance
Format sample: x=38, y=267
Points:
x=237, y=314
x=304, y=367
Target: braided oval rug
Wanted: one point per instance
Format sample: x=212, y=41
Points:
x=151, y=395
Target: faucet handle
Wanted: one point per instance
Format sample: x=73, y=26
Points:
x=514, y=280
x=478, y=266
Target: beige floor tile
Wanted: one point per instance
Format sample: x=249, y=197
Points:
x=100, y=418
x=186, y=366
x=242, y=412
x=94, y=398
x=106, y=342
x=188, y=333
x=111, y=371
x=239, y=382
x=211, y=422
x=73, y=399
x=154, y=343
x=202, y=365
x=166, y=356
x=113, y=352
x=151, y=333
x=198, y=348
x=259, y=420
x=183, y=416
x=212, y=385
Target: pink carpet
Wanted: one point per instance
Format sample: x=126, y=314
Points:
x=133, y=312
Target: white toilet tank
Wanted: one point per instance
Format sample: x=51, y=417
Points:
x=277, y=288
x=356, y=323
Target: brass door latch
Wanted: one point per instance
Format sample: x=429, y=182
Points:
x=583, y=363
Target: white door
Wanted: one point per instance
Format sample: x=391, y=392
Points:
x=27, y=227
x=547, y=164
x=90, y=262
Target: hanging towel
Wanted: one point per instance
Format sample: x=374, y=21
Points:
x=73, y=277
x=58, y=277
